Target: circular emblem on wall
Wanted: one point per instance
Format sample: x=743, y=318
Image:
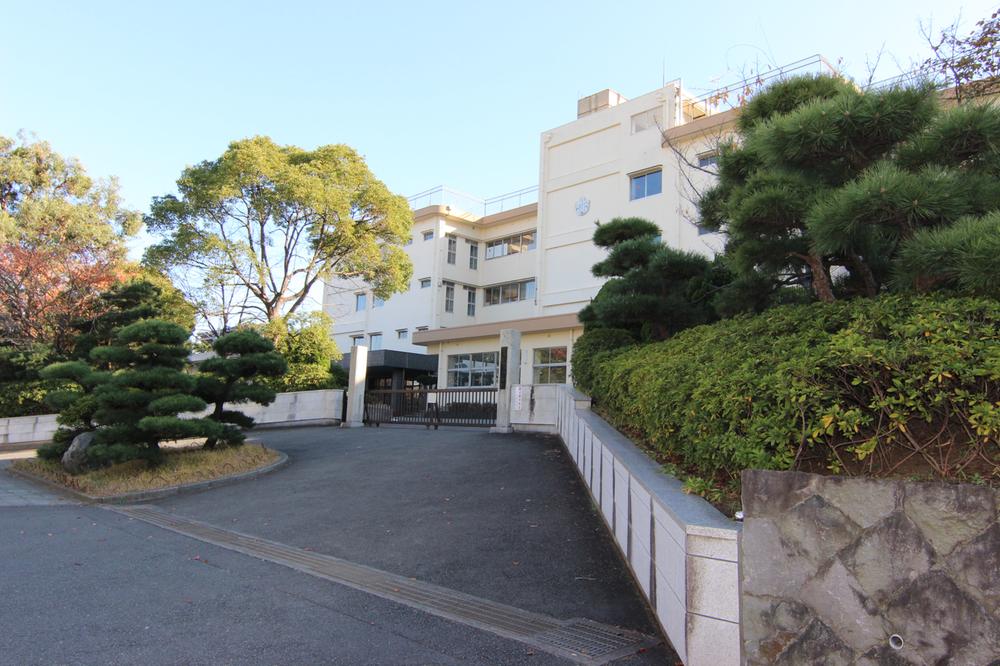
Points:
x=582, y=206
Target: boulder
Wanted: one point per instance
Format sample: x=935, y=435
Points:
x=75, y=458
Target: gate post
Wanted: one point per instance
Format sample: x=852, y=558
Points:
x=510, y=375
x=356, y=387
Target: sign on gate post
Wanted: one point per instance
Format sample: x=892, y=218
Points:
x=356, y=387
x=510, y=375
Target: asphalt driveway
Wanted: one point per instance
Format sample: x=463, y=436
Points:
x=500, y=517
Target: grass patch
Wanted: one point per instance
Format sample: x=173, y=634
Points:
x=180, y=466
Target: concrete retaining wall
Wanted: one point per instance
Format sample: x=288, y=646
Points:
x=865, y=571
x=533, y=407
x=298, y=407
x=682, y=551
x=27, y=430
x=287, y=408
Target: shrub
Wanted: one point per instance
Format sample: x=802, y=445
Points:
x=591, y=343
x=882, y=387
x=27, y=398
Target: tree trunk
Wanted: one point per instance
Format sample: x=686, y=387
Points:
x=820, y=278
x=867, y=277
x=216, y=416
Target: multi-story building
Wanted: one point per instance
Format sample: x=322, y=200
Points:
x=481, y=266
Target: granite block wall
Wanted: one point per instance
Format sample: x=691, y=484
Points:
x=841, y=570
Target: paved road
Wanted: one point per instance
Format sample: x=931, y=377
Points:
x=498, y=517
x=17, y=492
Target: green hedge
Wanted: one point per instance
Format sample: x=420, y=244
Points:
x=27, y=398
x=888, y=386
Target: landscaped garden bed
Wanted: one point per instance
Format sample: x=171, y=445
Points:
x=180, y=466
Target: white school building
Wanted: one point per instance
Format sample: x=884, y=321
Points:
x=523, y=260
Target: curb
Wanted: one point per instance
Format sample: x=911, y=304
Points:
x=150, y=495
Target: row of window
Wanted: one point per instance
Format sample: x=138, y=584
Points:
x=375, y=339
x=501, y=247
x=511, y=292
x=361, y=301
x=480, y=369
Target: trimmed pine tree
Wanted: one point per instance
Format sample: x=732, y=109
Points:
x=230, y=378
x=137, y=406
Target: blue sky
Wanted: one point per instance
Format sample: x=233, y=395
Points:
x=436, y=92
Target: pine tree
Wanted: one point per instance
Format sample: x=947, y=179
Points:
x=229, y=378
x=654, y=290
x=825, y=185
x=137, y=406
x=120, y=306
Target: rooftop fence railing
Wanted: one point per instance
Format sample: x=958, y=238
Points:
x=446, y=196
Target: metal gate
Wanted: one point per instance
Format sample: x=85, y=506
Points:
x=432, y=406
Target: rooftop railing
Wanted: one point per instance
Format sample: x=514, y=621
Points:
x=446, y=196
x=511, y=200
x=736, y=94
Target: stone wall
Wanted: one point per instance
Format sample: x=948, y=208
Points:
x=681, y=550
x=860, y=571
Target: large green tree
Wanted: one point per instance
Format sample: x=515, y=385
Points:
x=828, y=189
x=147, y=297
x=252, y=232
x=62, y=242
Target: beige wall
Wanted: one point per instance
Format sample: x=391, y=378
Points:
x=592, y=159
x=589, y=158
x=426, y=306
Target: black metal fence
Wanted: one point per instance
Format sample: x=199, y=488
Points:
x=432, y=406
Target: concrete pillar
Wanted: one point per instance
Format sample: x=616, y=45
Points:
x=356, y=387
x=510, y=375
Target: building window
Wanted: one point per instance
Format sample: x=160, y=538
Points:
x=703, y=230
x=421, y=328
x=501, y=247
x=645, y=184
x=549, y=366
x=377, y=302
x=357, y=340
x=428, y=235
x=472, y=369
x=452, y=248
x=473, y=255
x=509, y=293
x=647, y=120
x=402, y=334
x=449, y=296
x=375, y=341
x=409, y=241
x=706, y=160
x=360, y=302
x=470, y=296
x=425, y=283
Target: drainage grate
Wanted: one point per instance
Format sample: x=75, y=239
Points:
x=579, y=640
